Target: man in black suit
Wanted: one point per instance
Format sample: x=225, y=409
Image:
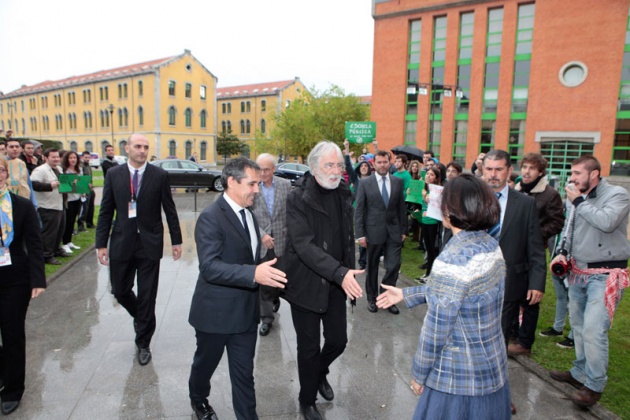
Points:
x=137, y=192
x=523, y=250
x=380, y=223
x=225, y=308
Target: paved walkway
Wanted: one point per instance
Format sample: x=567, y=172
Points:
x=81, y=360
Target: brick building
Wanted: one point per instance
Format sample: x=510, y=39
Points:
x=461, y=77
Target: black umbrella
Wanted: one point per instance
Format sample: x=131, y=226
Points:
x=410, y=151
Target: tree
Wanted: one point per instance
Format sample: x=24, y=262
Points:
x=228, y=144
x=316, y=116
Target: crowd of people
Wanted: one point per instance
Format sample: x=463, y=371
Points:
x=485, y=235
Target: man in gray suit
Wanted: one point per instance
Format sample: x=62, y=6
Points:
x=270, y=210
x=380, y=223
x=225, y=306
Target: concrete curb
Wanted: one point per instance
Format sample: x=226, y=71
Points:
x=67, y=266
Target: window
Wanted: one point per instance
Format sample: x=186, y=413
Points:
x=44, y=101
x=439, y=40
x=120, y=92
x=287, y=103
x=172, y=148
x=525, y=29
x=85, y=118
x=223, y=127
x=104, y=144
x=89, y=116
x=520, y=87
x=263, y=105
x=171, y=115
x=229, y=126
x=120, y=117
x=188, y=146
x=242, y=107
x=71, y=98
x=621, y=150
x=59, y=122
x=74, y=146
x=140, y=115
x=171, y=88
x=487, y=135
x=263, y=126
x=87, y=96
x=188, y=117
x=88, y=147
x=491, y=87
x=203, y=150
x=460, y=139
x=495, y=33
x=125, y=117
x=247, y=126
x=125, y=93
x=106, y=93
x=140, y=88
x=121, y=148
x=248, y=107
x=202, y=118
x=517, y=140
x=223, y=108
x=202, y=92
x=188, y=90
x=242, y=127
x=229, y=108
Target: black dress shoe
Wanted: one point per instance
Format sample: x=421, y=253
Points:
x=325, y=390
x=62, y=254
x=144, y=356
x=372, y=307
x=9, y=407
x=310, y=412
x=264, y=329
x=203, y=410
x=276, y=305
x=53, y=261
x=91, y=226
x=393, y=310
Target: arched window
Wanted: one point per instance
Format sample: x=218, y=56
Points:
x=188, y=148
x=242, y=127
x=247, y=126
x=172, y=148
x=263, y=126
x=248, y=107
x=140, y=115
x=171, y=115
x=88, y=146
x=242, y=107
x=229, y=126
x=223, y=127
x=223, y=108
x=104, y=144
x=102, y=115
x=120, y=117
x=263, y=105
x=203, y=148
x=85, y=119
x=121, y=148
x=23, y=124
x=126, y=114
x=202, y=118
x=229, y=108
x=188, y=117
x=89, y=119
x=140, y=88
x=73, y=146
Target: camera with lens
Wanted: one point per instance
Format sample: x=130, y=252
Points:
x=561, y=268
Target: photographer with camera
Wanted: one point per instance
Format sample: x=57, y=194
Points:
x=593, y=254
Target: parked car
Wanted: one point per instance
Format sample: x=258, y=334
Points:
x=186, y=174
x=291, y=171
x=120, y=159
x=95, y=160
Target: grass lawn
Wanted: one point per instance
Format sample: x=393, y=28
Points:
x=97, y=178
x=548, y=355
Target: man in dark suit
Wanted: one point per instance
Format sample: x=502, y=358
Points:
x=380, y=223
x=225, y=307
x=137, y=192
x=523, y=250
x=270, y=211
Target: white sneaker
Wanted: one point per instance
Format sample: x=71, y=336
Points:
x=73, y=246
x=66, y=249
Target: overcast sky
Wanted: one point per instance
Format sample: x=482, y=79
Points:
x=322, y=42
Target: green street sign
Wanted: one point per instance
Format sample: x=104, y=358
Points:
x=361, y=131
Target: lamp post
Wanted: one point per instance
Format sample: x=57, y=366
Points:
x=111, y=120
x=430, y=89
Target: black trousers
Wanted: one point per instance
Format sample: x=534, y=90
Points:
x=241, y=349
x=509, y=317
x=142, y=306
x=313, y=361
x=269, y=295
x=71, y=216
x=392, y=260
x=429, y=238
x=86, y=216
x=14, y=301
x=52, y=229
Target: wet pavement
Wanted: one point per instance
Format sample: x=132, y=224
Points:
x=81, y=356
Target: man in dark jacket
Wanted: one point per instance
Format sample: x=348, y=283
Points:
x=109, y=161
x=319, y=265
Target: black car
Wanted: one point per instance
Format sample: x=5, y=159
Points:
x=187, y=174
x=291, y=171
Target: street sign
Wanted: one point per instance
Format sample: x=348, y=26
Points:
x=361, y=132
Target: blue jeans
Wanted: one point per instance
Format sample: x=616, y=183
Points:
x=590, y=324
x=562, y=305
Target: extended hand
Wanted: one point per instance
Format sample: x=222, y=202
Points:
x=350, y=284
x=391, y=296
x=269, y=276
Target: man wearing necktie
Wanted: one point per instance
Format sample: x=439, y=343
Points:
x=136, y=192
x=225, y=308
x=380, y=224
